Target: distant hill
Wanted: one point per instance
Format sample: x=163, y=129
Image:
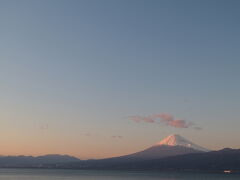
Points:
x=39, y=161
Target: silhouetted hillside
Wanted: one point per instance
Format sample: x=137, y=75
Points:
x=226, y=159
x=208, y=161
x=39, y=161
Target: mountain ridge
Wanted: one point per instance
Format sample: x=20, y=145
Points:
x=35, y=161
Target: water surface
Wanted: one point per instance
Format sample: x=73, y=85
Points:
x=50, y=174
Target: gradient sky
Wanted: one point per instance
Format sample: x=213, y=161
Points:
x=73, y=73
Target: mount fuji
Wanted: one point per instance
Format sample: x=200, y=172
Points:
x=172, y=145
x=177, y=140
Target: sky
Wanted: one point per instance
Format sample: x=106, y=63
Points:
x=102, y=78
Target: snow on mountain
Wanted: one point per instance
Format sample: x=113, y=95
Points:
x=171, y=146
x=177, y=140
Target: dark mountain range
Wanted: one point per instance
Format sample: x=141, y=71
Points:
x=214, y=161
x=39, y=161
x=156, y=152
x=152, y=153
x=172, y=153
x=226, y=159
x=171, y=146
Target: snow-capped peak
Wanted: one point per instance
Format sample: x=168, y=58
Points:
x=177, y=140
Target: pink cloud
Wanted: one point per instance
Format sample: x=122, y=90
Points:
x=169, y=120
x=178, y=123
x=164, y=118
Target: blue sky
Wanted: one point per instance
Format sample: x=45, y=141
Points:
x=71, y=72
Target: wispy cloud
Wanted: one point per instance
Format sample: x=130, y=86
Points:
x=164, y=116
x=178, y=123
x=166, y=119
x=169, y=120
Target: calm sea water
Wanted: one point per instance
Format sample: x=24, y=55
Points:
x=39, y=174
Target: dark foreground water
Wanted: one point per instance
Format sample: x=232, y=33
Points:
x=39, y=174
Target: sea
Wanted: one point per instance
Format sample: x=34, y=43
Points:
x=52, y=174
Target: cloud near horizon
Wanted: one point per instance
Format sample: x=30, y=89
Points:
x=164, y=118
